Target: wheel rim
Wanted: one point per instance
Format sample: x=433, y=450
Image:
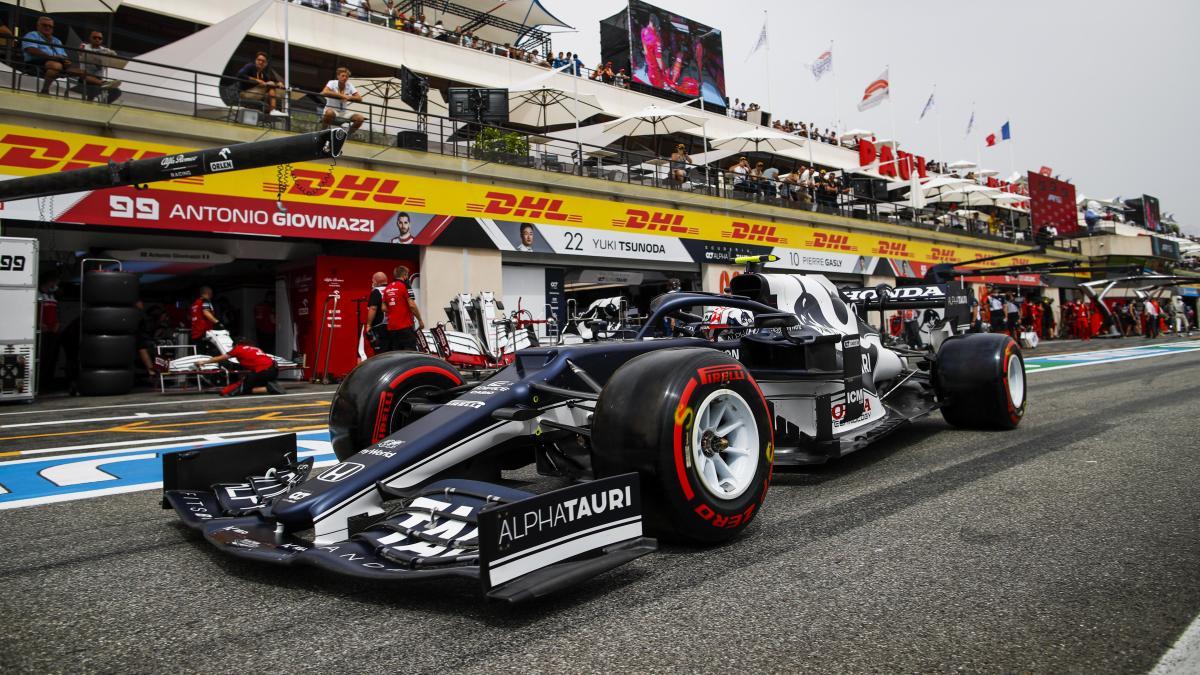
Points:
x=725, y=450
x=1016, y=381
x=398, y=419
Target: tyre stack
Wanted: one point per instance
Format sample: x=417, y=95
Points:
x=109, y=323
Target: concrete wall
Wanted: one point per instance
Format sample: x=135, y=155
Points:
x=446, y=272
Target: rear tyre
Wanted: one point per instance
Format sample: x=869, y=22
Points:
x=696, y=427
x=980, y=377
x=107, y=351
x=105, y=382
x=366, y=407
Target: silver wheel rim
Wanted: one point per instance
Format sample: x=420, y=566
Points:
x=1016, y=381
x=725, y=450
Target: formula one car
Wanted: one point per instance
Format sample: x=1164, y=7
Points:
x=670, y=433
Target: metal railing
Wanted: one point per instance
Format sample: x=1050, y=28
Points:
x=156, y=87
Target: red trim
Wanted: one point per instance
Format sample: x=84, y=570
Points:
x=423, y=369
x=680, y=471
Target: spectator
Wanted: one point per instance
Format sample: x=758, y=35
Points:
x=597, y=72
x=258, y=83
x=403, y=316
x=621, y=79
x=578, y=66
x=770, y=177
x=44, y=54
x=679, y=162
x=95, y=73
x=339, y=94
x=465, y=39
x=790, y=184
x=756, y=178
x=438, y=30
x=741, y=176
x=607, y=76
x=356, y=9
x=558, y=61
x=417, y=25
x=260, y=371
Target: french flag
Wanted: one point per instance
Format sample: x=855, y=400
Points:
x=1005, y=134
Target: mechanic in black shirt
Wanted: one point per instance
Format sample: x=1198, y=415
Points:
x=376, y=315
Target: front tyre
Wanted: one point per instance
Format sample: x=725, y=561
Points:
x=696, y=427
x=366, y=408
x=980, y=377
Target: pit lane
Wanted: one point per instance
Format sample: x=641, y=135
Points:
x=1070, y=544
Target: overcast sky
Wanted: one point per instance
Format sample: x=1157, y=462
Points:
x=1105, y=93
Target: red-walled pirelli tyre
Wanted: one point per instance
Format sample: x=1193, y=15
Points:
x=696, y=427
x=366, y=406
x=980, y=377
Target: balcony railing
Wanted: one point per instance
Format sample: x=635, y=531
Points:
x=156, y=87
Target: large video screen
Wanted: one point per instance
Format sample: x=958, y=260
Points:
x=1052, y=202
x=1150, y=213
x=676, y=54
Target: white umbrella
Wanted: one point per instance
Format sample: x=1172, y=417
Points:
x=547, y=107
x=855, y=134
x=961, y=164
x=988, y=172
x=55, y=6
x=654, y=120
x=969, y=194
x=775, y=141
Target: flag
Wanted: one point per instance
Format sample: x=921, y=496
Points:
x=875, y=93
x=971, y=123
x=1005, y=134
x=823, y=64
x=762, y=41
x=927, y=108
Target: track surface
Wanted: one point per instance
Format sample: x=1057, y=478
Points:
x=1069, y=545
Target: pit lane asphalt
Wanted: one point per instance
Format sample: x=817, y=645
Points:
x=1069, y=545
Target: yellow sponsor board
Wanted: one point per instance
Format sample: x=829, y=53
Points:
x=28, y=151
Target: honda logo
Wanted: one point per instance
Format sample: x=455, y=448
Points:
x=340, y=472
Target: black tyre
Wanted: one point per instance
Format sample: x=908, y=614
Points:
x=980, y=377
x=105, y=381
x=661, y=415
x=107, y=351
x=111, y=289
x=111, y=320
x=366, y=407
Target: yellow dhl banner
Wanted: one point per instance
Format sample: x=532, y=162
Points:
x=28, y=151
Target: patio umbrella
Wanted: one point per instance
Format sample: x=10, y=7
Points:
x=961, y=164
x=547, y=107
x=654, y=120
x=385, y=92
x=54, y=6
x=775, y=141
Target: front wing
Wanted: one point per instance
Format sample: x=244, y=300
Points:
x=517, y=545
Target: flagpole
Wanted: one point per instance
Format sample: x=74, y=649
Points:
x=770, y=104
x=895, y=127
x=937, y=112
x=837, y=117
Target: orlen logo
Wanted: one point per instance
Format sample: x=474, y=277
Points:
x=350, y=188
x=753, y=232
x=943, y=254
x=530, y=207
x=892, y=249
x=654, y=221
x=51, y=154
x=832, y=242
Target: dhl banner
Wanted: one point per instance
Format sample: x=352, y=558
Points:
x=313, y=200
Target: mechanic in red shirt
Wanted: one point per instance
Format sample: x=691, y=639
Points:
x=403, y=316
x=203, y=320
x=259, y=370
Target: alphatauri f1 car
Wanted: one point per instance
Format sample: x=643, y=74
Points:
x=674, y=436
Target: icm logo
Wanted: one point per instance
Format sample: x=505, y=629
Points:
x=340, y=472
